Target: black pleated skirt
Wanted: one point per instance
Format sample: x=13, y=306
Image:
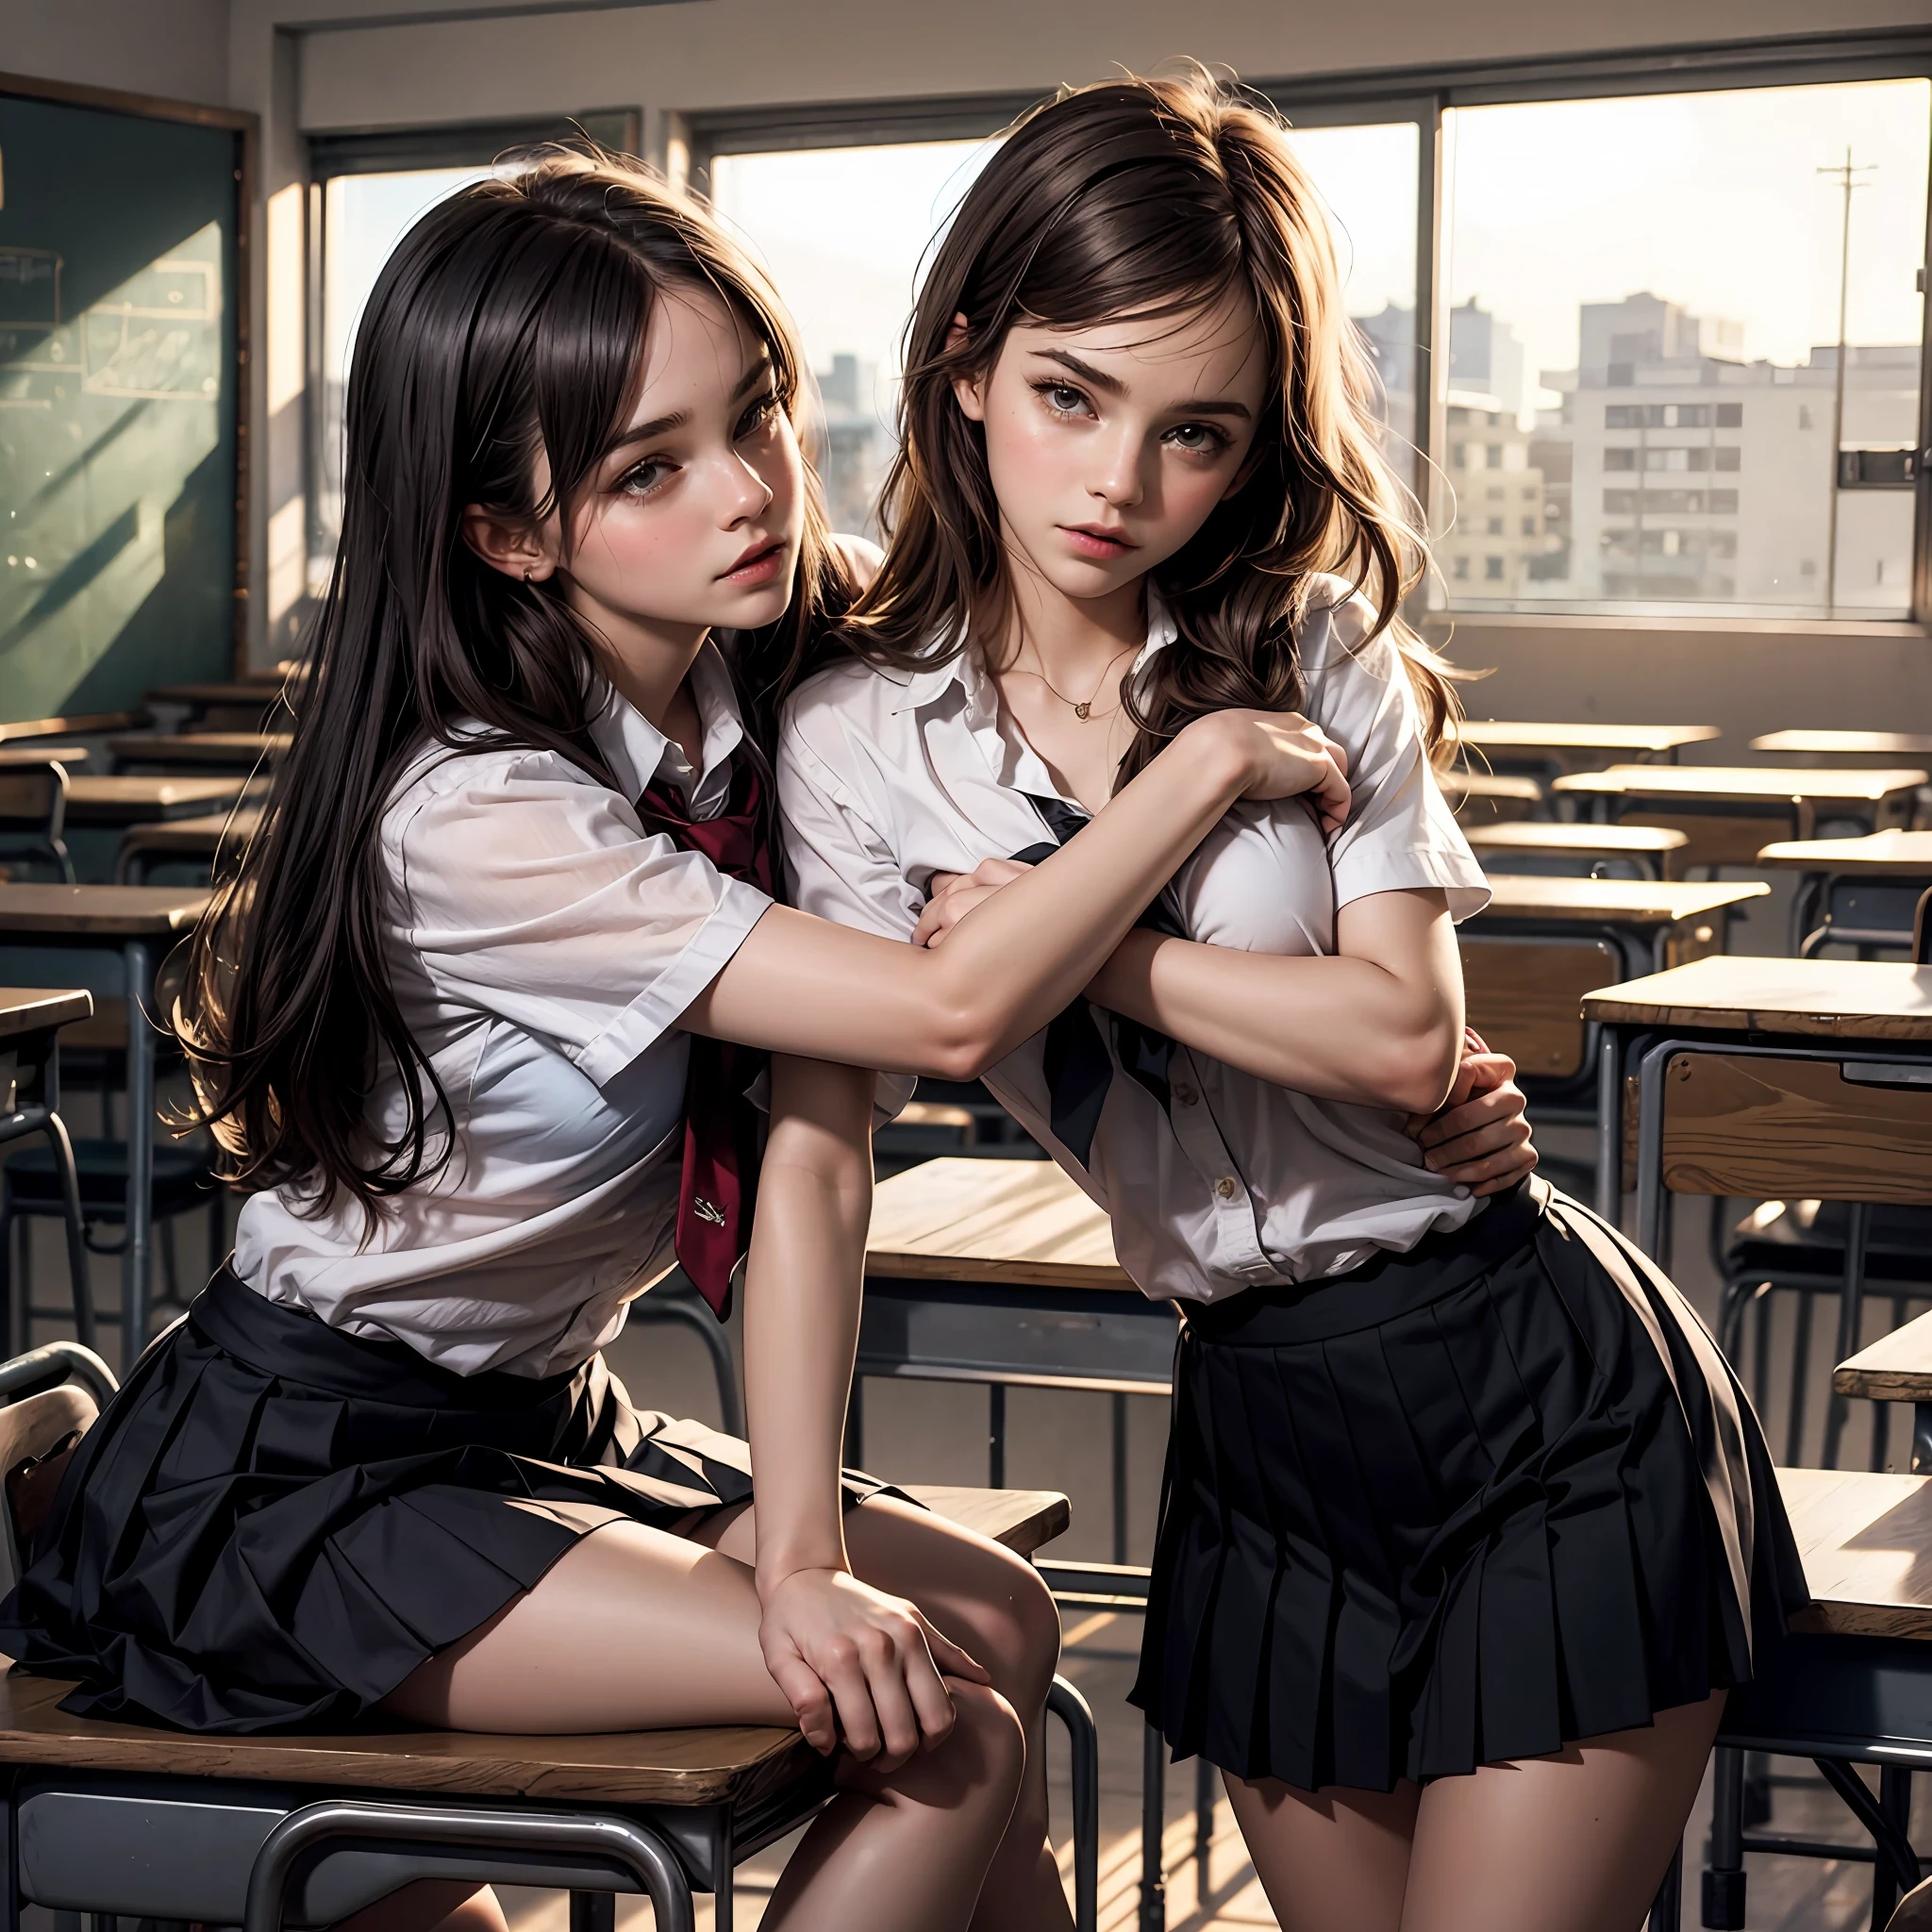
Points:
x=1461, y=1505
x=274, y=1521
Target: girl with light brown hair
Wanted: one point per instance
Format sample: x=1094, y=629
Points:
x=1467, y=1527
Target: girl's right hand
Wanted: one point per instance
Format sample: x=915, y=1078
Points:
x=1286, y=755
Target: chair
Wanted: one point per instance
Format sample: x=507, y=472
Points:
x=33, y=813
x=261, y=1831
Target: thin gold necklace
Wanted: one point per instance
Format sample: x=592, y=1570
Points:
x=1084, y=709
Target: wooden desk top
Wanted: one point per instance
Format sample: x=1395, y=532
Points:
x=1744, y=782
x=687, y=1766
x=240, y=748
x=88, y=725
x=1896, y=1367
x=1829, y=999
x=79, y=912
x=134, y=801
x=1490, y=734
x=1540, y=835
x=196, y=834
x=1866, y=1542
x=1891, y=853
x=261, y=692
x=14, y=757
x=1613, y=902
x=1850, y=744
x=1020, y=1222
x=32, y=1008
x=1461, y=784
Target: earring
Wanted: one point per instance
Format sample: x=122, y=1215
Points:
x=526, y=573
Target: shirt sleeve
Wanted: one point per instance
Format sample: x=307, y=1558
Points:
x=1401, y=833
x=841, y=867
x=526, y=890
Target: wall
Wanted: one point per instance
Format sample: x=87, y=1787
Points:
x=176, y=48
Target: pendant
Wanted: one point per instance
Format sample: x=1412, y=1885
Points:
x=1081, y=710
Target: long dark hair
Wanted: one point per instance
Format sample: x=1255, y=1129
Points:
x=1153, y=199
x=508, y=322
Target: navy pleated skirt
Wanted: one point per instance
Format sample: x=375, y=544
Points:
x=274, y=1521
x=1461, y=1505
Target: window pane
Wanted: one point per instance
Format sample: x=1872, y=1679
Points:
x=843, y=232
x=364, y=216
x=1367, y=177
x=1644, y=385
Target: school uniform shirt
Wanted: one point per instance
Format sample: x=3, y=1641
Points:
x=542, y=948
x=886, y=778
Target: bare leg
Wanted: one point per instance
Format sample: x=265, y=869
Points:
x=995, y=1606
x=635, y=1630
x=431, y=1904
x=1576, y=1843
x=1335, y=1860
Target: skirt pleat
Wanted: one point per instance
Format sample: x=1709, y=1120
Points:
x=1464, y=1505
x=273, y=1523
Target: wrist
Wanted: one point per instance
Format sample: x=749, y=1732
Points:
x=772, y=1573
x=1221, y=752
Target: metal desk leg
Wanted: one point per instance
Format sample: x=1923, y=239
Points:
x=1724, y=1876
x=1610, y=1128
x=1667, y=1910
x=140, y=1154
x=1653, y=1203
x=1922, y=1438
x=1851, y=1304
x=1153, y=1828
x=1119, y=1420
x=996, y=1435
x=56, y=1131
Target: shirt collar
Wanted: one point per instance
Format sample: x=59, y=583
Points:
x=964, y=669
x=637, y=752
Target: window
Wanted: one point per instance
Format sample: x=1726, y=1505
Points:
x=1673, y=244
x=1492, y=568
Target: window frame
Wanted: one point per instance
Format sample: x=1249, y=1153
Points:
x=1423, y=95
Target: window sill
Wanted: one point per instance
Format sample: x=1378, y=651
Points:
x=1439, y=623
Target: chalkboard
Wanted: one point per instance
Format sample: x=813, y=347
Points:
x=119, y=396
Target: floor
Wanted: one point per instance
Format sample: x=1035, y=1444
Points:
x=929, y=1432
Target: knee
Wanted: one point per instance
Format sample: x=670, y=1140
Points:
x=1017, y=1627
x=993, y=1739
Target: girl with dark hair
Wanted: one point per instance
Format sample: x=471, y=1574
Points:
x=478, y=1021
x=1466, y=1526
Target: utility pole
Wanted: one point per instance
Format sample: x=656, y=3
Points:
x=1845, y=173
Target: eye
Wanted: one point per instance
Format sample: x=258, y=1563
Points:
x=757, y=413
x=1198, y=439
x=645, y=478
x=1062, y=398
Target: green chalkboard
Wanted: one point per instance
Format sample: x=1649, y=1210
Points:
x=119, y=393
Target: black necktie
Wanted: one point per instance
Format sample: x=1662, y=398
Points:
x=1078, y=1070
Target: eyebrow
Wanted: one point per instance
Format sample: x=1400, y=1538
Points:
x=755, y=373
x=1113, y=385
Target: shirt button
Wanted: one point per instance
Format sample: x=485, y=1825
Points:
x=1225, y=1187
x=1186, y=1096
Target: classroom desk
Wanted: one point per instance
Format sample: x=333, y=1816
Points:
x=1806, y=1077
x=182, y=839
x=1874, y=883
x=1652, y=847
x=124, y=800
x=1003, y=1271
x=1896, y=747
x=1490, y=796
x=1731, y=812
x=1541, y=944
x=1564, y=747
x=89, y=725
x=122, y=926
x=200, y=751
x=1897, y=1368
x=14, y=757
x=30, y=1022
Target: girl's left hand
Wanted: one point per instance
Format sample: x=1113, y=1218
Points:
x=1480, y=1135
x=954, y=894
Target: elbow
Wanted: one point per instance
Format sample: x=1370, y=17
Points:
x=961, y=1050
x=1414, y=1072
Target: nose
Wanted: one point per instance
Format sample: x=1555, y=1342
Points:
x=1118, y=479
x=747, y=494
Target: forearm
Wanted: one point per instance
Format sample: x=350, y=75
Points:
x=1381, y=1027
x=803, y=986
x=803, y=1287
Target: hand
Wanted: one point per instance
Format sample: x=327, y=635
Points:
x=1479, y=1136
x=851, y=1659
x=955, y=894
x=1286, y=756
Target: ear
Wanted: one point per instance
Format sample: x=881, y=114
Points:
x=505, y=544
x=969, y=392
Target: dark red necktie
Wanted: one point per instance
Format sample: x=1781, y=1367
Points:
x=721, y=1125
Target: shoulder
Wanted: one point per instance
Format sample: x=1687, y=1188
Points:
x=860, y=556
x=1334, y=641
x=443, y=783
x=845, y=700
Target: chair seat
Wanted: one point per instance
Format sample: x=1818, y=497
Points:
x=183, y=1180
x=1898, y=1248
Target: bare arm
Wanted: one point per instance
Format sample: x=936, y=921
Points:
x=852, y=1661
x=805, y=985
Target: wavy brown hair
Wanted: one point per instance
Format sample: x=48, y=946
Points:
x=509, y=321
x=1155, y=199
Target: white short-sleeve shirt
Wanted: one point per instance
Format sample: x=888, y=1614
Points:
x=542, y=947
x=885, y=778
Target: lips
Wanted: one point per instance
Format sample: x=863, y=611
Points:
x=758, y=565
x=1099, y=543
